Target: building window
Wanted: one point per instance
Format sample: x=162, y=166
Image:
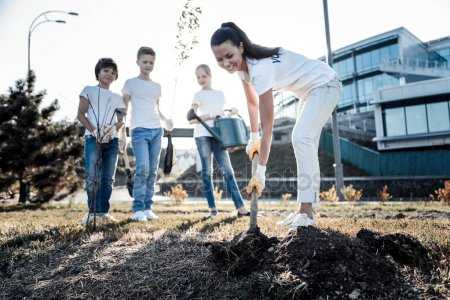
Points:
x=395, y=121
x=438, y=116
x=416, y=119
x=344, y=67
x=348, y=94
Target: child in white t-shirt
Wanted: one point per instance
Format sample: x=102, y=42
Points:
x=101, y=113
x=263, y=70
x=208, y=104
x=146, y=132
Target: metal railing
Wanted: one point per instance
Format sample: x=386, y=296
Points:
x=417, y=63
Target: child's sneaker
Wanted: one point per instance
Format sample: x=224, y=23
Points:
x=150, y=215
x=213, y=213
x=139, y=216
x=107, y=218
x=88, y=219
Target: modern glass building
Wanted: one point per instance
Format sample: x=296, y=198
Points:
x=413, y=115
x=442, y=47
x=392, y=58
x=393, y=91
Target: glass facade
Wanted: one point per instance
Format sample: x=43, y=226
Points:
x=394, y=120
x=348, y=94
x=417, y=119
x=438, y=116
x=367, y=61
x=445, y=53
x=372, y=59
x=344, y=67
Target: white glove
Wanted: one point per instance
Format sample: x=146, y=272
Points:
x=258, y=180
x=254, y=144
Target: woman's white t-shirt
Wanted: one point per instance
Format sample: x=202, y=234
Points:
x=144, y=96
x=209, y=102
x=288, y=71
x=102, y=107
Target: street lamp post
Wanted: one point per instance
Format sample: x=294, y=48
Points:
x=35, y=24
x=339, y=173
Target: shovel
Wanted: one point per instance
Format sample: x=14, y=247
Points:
x=254, y=197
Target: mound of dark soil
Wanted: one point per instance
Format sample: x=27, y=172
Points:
x=404, y=249
x=246, y=253
x=318, y=264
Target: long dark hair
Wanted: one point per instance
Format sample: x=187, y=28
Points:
x=231, y=32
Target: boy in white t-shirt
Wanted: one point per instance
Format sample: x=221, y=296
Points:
x=146, y=132
x=263, y=70
x=208, y=104
x=101, y=113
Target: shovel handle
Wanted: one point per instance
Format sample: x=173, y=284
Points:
x=254, y=197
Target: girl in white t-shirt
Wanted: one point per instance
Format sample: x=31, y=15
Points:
x=263, y=70
x=209, y=104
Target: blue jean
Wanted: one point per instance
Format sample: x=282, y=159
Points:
x=206, y=147
x=147, y=149
x=100, y=170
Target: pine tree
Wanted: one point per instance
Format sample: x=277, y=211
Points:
x=40, y=156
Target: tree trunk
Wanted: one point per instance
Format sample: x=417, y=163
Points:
x=24, y=195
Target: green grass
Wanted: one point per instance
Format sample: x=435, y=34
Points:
x=46, y=253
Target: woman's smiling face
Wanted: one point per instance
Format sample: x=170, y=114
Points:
x=229, y=57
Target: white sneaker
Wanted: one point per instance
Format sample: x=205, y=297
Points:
x=107, y=218
x=288, y=220
x=301, y=220
x=139, y=216
x=213, y=213
x=88, y=219
x=150, y=214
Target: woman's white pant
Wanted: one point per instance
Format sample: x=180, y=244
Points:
x=315, y=112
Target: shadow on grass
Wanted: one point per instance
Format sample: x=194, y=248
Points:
x=174, y=265
x=211, y=226
x=22, y=207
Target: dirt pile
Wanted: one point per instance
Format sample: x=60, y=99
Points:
x=245, y=253
x=312, y=263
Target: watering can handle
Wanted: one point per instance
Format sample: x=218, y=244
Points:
x=207, y=127
x=247, y=131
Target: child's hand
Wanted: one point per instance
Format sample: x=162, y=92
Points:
x=169, y=124
x=106, y=133
x=190, y=115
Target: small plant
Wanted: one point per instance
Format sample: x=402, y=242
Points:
x=329, y=195
x=177, y=194
x=443, y=194
x=351, y=194
x=384, y=195
x=285, y=199
x=217, y=193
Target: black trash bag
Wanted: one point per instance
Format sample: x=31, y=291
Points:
x=129, y=172
x=130, y=182
x=168, y=159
